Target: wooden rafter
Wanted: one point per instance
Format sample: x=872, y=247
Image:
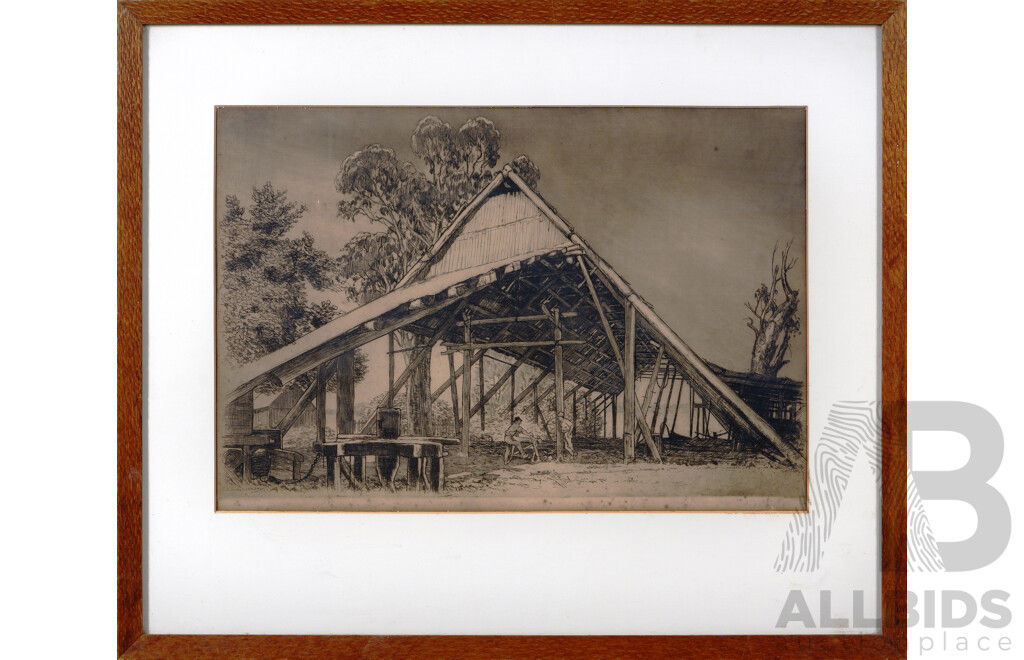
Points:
x=300, y=364
x=514, y=319
x=415, y=362
x=296, y=410
x=527, y=390
x=610, y=336
x=512, y=344
x=497, y=386
x=651, y=384
x=436, y=394
x=668, y=403
x=454, y=393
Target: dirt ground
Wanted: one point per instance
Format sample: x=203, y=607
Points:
x=711, y=477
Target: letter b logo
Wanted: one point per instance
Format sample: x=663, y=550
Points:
x=967, y=484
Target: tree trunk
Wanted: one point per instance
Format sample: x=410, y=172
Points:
x=770, y=345
x=418, y=390
x=775, y=318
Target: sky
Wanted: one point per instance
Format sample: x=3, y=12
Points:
x=685, y=203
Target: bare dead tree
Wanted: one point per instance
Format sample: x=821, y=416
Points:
x=775, y=320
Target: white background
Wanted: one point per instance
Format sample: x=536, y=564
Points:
x=496, y=573
x=964, y=264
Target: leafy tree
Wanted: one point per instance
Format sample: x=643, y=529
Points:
x=265, y=276
x=412, y=208
x=775, y=319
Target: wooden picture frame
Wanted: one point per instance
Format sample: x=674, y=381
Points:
x=135, y=15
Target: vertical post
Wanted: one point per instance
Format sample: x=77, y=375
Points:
x=575, y=404
x=246, y=463
x=467, y=383
x=345, y=415
x=512, y=397
x=604, y=416
x=691, y=411
x=629, y=402
x=536, y=404
x=455, y=396
x=657, y=410
x=615, y=414
x=668, y=404
x=559, y=389
x=321, y=401
x=483, y=407
x=390, y=401
x=679, y=399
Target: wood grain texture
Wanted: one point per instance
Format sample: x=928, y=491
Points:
x=894, y=330
x=133, y=15
x=777, y=12
x=129, y=329
x=294, y=647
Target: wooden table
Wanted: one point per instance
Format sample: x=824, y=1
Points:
x=425, y=456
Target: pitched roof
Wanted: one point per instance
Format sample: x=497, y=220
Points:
x=505, y=219
x=502, y=230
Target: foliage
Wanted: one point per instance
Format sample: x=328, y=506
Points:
x=413, y=207
x=265, y=276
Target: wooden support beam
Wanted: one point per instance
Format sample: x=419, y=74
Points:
x=657, y=410
x=604, y=416
x=395, y=385
x=604, y=413
x=713, y=390
x=512, y=396
x=668, y=404
x=408, y=349
x=651, y=384
x=532, y=386
x=467, y=383
x=561, y=300
x=600, y=312
x=322, y=374
x=628, y=366
x=628, y=374
x=536, y=404
x=436, y=394
x=604, y=381
x=606, y=402
x=660, y=383
x=292, y=415
x=544, y=423
x=679, y=399
x=390, y=399
x=455, y=395
x=480, y=408
x=559, y=404
x=615, y=414
x=515, y=319
x=645, y=430
x=332, y=348
x=514, y=344
x=345, y=397
x=575, y=387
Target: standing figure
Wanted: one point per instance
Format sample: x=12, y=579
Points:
x=567, y=428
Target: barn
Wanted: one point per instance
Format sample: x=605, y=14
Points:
x=513, y=279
